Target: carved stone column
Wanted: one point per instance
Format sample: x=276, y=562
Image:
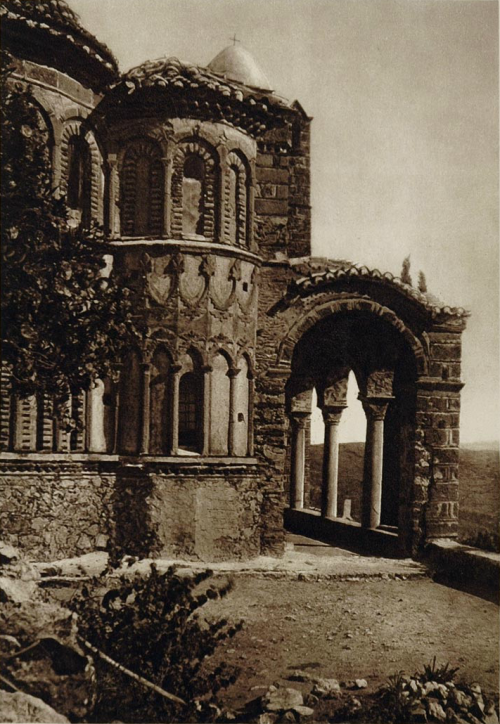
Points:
x=174, y=410
x=299, y=425
x=146, y=407
x=375, y=409
x=232, y=374
x=329, y=497
x=206, y=409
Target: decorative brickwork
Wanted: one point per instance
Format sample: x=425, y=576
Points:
x=202, y=441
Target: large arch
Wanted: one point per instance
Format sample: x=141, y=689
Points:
x=386, y=368
x=327, y=306
x=402, y=348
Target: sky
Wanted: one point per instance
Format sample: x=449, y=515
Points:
x=404, y=97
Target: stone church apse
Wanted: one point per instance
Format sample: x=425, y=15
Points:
x=198, y=446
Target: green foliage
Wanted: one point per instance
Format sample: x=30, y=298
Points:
x=422, y=282
x=65, y=320
x=405, y=271
x=151, y=625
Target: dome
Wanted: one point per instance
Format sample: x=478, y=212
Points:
x=236, y=63
x=48, y=32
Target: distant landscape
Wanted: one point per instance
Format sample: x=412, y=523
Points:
x=479, y=488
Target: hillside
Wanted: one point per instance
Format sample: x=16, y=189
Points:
x=479, y=487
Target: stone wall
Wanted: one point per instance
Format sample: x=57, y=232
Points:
x=205, y=512
x=57, y=509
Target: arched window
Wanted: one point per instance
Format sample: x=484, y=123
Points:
x=193, y=196
x=190, y=414
x=233, y=203
x=130, y=404
x=142, y=190
x=195, y=191
x=80, y=177
x=237, y=200
x=159, y=403
x=220, y=390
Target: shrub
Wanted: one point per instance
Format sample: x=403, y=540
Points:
x=442, y=674
x=151, y=625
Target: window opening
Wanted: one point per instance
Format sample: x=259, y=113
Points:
x=189, y=413
x=193, y=192
x=80, y=177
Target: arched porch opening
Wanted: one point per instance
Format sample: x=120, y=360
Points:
x=351, y=443
x=354, y=343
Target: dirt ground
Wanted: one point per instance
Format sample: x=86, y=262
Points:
x=337, y=614
x=366, y=629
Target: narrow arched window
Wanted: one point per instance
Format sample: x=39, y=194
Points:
x=80, y=178
x=159, y=402
x=142, y=190
x=190, y=417
x=193, y=196
x=220, y=391
x=195, y=191
x=130, y=404
x=237, y=200
x=233, y=203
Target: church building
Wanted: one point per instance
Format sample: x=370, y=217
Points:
x=199, y=449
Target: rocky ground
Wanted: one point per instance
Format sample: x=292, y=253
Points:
x=330, y=625
x=347, y=630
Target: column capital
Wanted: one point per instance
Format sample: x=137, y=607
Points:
x=375, y=407
x=233, y=372
x=299, y=419
x=175, y=369
x=333, y=413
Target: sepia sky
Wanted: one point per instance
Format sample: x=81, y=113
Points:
x=404, y=95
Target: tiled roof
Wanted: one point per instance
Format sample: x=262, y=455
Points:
x=173, y=73
x=247, y=107
x=55, y=21
x=315, y=280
